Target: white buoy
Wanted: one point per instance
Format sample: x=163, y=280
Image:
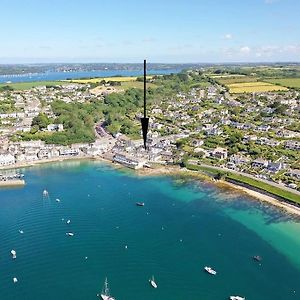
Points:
x=14, y=254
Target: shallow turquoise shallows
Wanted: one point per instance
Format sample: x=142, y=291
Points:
x=183, y=227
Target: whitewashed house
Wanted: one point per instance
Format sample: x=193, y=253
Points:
x=7, y=159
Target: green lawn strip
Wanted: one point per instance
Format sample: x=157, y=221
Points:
x=248, y=181
x=207, y=170
x=265, y=187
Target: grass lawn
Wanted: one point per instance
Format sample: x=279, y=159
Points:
x=29, y=85
x=249, y=181
x=265, y=187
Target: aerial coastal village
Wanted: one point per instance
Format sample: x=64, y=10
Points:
x=208, y=123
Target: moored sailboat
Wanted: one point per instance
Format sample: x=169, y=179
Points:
x=152, y=282
x=105, y=295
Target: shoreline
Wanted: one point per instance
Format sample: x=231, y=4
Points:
x=176, y=170
x=44, y=161
x=169, y=171
x=13, y=182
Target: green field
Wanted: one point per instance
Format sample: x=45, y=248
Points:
x=252, y=87
x=134, y=84
x=113, y=78
x=29, y=85
x=287, y=82
x=235, y=79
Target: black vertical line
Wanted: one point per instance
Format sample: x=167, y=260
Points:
x=144, y=88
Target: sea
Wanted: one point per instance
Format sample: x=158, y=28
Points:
x=52, y=76
x=184, y=226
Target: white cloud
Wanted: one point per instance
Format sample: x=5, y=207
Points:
x=245, y=50
x=227, y=36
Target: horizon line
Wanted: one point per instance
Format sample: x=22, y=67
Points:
x=166, y=63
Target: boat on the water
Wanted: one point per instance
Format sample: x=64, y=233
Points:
x=14, y=254
x=15, y=280
x=68, y=222
x=70, y=233
x=210, y=270
x=105, y=295
x=152, y=282
x=140, y=203
x=236, y=298
x=257, y=258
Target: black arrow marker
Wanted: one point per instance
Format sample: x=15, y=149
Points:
x=145, y=120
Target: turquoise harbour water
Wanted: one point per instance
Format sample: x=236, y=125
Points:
x=182, y=228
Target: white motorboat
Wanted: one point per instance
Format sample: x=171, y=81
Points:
x=15, y=280
x=105, y=295
x=14, y=254
x=68, y=222
x=57, y=200
x=210, y=270
x=70, y=233
x=21, y=231
x=152, y=282
x=236, y=298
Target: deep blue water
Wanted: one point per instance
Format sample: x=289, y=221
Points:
x=183, y=227
x=49, y=76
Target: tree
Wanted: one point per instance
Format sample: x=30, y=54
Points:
x=42, y=121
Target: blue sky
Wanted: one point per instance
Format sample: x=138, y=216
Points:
x=160, y=30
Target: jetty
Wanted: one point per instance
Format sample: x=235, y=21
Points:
x=12, y=182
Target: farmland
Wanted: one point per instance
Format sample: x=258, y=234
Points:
x=126, y=82
x=237, y=83
x=113, y=78
x=236, y=79
x=287, y=82
x=251, y=87
x=29, y=85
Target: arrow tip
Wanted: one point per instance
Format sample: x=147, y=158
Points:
x=145, y=124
